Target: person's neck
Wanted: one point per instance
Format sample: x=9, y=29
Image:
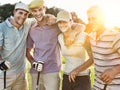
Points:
x=67, y=32
x=100, y=31
x=42, y=22
x=13, y=22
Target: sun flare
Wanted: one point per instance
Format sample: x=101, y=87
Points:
x=112, y=14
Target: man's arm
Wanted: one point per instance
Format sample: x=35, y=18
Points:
x=0, y=48
x=0, y=54
x=85, y=65
x=36, y=65
x=109, y=74
x=80, y=68
x=29, y=55
x=1, y=40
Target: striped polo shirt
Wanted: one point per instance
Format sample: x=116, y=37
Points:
x=106, y=54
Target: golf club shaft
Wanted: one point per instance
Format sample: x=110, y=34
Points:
x=105, y=86
x=37, y=80
x=4, y=80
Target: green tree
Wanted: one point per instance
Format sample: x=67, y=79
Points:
x=6, y=10
x=53, y=10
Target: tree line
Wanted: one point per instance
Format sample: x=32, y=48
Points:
x=6, y=10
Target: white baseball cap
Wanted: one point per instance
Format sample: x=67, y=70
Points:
x=63, y=16
x=22, y=6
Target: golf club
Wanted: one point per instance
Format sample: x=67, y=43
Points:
x=39, y=69
x=37, y=85
x=4, y=80
x=105, y=86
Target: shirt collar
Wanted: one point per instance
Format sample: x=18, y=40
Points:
x=35, y=25
x=10, y=24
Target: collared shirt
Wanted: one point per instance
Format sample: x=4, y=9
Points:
x=13, y=42
x=46, y=48
x=106, y=54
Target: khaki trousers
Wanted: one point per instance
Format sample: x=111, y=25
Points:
x=49, y=81
x=14, y=82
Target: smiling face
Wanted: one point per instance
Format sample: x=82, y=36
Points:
x=64, y=26
x=94, y=21
x=38, y=13
x=20, y=16
x=95, y=18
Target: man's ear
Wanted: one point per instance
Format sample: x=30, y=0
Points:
x=14, y=11
x=30, y=11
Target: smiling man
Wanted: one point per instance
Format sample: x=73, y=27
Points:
x=105, y=45
x=13, y=34
x=43, y=39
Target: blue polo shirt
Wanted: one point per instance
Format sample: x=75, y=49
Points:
x=14, y=45
x=44, y=40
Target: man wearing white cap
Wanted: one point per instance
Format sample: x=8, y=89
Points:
x=13, y=34
x=43, y=38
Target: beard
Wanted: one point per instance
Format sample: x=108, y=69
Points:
x=19, y=21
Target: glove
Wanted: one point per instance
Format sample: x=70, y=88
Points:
x=5, y=65
x=38, y=65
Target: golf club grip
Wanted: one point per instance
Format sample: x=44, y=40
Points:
x=4, y=79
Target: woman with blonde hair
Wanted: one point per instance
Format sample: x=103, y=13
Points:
x=72, y=40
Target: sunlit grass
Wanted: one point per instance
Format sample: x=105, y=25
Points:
x=92, y=75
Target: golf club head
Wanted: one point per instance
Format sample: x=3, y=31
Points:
x=36, y=87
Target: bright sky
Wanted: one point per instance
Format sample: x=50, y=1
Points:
x=80, y=7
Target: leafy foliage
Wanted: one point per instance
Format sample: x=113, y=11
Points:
x=6, y=11
x=53, y=10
